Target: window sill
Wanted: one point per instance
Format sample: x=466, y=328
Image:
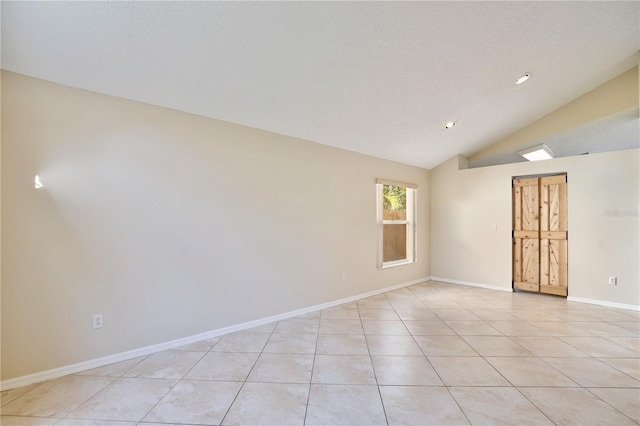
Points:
x=395, y=263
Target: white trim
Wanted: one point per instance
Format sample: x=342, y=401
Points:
x=569, y=298
x=394, y=263
x=396, y=183
x=412, y=224
x=470, y=284
x=604, y=303
x=395, y=222
x=123, y=356
x=379, y=226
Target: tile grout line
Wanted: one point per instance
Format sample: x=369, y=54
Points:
x=244, y=382
x=612, y=407
x=313, y=366
x=180, y=380
x=373, y=369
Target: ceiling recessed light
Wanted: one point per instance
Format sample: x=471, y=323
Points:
x=450, y=124
x=523, y=78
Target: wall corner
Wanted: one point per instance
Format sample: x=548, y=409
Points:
x=463, y=162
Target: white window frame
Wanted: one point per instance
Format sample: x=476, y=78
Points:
x=411, y=222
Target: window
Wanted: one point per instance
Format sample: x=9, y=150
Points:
x=396, y=205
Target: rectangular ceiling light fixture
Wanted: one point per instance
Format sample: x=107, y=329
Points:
x=538, y=152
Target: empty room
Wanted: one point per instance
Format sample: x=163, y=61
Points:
x=319, y=213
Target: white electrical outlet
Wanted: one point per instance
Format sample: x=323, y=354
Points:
x=344, y=278
x=613, y=280
x=97, y=321
x=494, y=227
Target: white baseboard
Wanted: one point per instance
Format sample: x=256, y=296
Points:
x=604, y=303
x=471, y=284
x=569, y=298
x=148, y=350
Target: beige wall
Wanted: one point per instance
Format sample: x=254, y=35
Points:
x=170, y=224
x=604, y=230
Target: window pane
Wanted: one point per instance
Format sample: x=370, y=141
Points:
x=394, y=203
x=394, y=242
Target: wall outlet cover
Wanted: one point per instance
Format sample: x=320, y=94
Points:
x=97, y=321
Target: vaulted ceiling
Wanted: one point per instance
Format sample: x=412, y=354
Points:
x=380, y=78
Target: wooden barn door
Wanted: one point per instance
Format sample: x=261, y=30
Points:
x=553, y=235
x=540, y=234
x=526, y=234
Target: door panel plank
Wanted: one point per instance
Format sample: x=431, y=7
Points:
x=526, y=286
x=525, y=182
x=517, y=259
x=517, y=209
x=544, y=208
x=544, y=262
x=530, y=261
x=527, y=235
x=553, y=180
x=563, y=264
x=553, y=235
x=554, y=262
x=554, y=207
x=530, y=208
x=562, y=212
x=558, y=291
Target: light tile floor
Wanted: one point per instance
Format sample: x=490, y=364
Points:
x=429, y=354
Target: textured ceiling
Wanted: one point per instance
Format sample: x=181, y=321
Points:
x=373, y=77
